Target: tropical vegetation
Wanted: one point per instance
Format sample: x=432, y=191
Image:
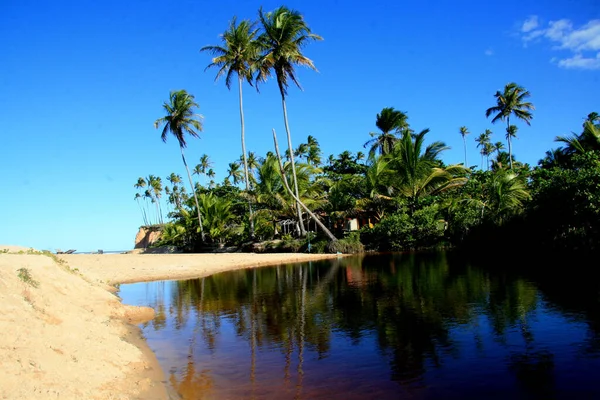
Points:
x=400, y=196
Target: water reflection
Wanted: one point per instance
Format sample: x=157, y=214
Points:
x=386, y=326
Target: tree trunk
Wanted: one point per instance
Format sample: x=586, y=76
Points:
x=289, y=138
x=287, y=187
x=465, y=143
x=509, y=143
x=251, y=219
x=195, y=195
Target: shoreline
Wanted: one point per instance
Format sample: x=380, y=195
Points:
x=75, y=293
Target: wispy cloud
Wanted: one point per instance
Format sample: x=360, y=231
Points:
x=530, y=24
x=489, y=52
x=583, y=43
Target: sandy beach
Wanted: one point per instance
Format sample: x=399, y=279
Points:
x=65, y=334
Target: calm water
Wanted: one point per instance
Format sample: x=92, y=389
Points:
x=375, y=327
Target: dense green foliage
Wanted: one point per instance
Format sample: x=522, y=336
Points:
x=401, y=197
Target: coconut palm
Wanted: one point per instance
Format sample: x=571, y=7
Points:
x=511, y=102
x=155, y=186
x=137, y=198
x=314, y=151
x=507, y=193
x=234, y=173
x=140, y=184
x=284, y=35
x=421, y=173
x=378, y=180
x=390, y=122
x=482, y=141
x=464, y=132
x=588, y=140
x=182, y=119
x=237, y=55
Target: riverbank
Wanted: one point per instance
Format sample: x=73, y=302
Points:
x=66, y=335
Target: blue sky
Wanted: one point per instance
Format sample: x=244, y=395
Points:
x=82, y=82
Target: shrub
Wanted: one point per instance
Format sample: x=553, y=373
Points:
x=349, y=245
x=25, y=276
x=400, y=231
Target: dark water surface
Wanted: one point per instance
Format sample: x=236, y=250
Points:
x=375, y=327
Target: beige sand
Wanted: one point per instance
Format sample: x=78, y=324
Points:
x=65, y=335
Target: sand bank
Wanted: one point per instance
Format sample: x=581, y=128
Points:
x=66, y=335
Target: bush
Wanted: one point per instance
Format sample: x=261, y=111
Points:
x=348, y=245
x=400, y=231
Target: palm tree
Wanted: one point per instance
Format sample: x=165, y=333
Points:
x=234, y=173
x=285, y=34
x=390, y=122
x=176, y=194
x=589, y=139
x=155, y=184
x=507, y=193
x=464, y=132
x=314, y=151
x=238, y=54
x=181, y=119
x=511, y=102
x=141, y=183
x=421, y=173
x=137, y=198
x=378, y=178
x=482, y=141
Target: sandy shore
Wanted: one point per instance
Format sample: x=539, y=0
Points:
x=66, y=335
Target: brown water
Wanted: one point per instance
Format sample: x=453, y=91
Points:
x=378, y=327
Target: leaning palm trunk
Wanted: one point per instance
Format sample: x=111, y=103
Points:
x=291, y=193
x=245, y=160
x=289, y=138
x=195, y=195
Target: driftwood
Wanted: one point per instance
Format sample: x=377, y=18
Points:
x=291, y=193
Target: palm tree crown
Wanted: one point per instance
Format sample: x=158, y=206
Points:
x=511, y=102
x=237, y=53
x=390, y=122
x=180, y=118
x=285, y=34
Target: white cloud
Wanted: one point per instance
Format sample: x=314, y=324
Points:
x=564, y=36
x=489, y=52
x=580, y=62
x=530, y=24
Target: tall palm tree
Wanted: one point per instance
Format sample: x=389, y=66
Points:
x=314, y=151
x=511, y=102
x=284, y=35
x=176, y=194
x=390, y=122
x=182, y=119
x=482, y=141
x=155, y=186
x=237, y=54
x=140, y=184
x=464, y=132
